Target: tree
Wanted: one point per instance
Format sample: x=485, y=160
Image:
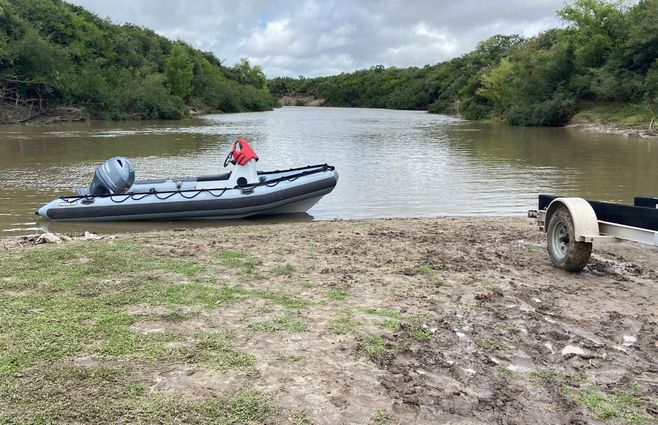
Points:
x=499, y=85
x=179, y=71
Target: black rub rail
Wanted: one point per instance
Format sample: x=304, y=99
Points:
x=218, y=192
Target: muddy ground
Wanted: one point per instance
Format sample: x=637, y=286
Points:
x=424, y=321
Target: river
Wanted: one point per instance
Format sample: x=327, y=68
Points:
x=391, y=163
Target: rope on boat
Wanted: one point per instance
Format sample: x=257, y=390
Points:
x=119, y=199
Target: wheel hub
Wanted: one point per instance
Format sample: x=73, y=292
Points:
x=561, y=240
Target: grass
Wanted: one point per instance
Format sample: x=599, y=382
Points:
x=291, y=358
x=622, y=404
x=532, y=248
x=344, y=325
x=71, y=300
x=382, y=313
x=282, y=299
x=238, y=261
x=374, y=347
x=423, y=269
x=421, y=335
x=337, y=294
x=301, y=418
x=286, y=270
x=508, y=327
x=621, y=114
x=390, y=324
x=281, y=323
x=490, y=344
x=505, y=371
x=381, y=417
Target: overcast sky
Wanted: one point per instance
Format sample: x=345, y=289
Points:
x=312, y=38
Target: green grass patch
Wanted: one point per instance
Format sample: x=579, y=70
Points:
x=69, y=300
x=109, y=395
x=184, y=267
x=504, y=370
x=621, y=114
x=302, y=418
x=532, y=248
x=423, y=269
x=291, y=358
x=284, y=270
x=390, y=324
x=490, y=344
x=374, y=347
x=344, y=325
x=283, y=299
x=508, y=327
x=238, y=261
x=382, y=313
x=337, y=294
x=381, y=417
x=421, y=335
x=620, y=404
x=281, y=323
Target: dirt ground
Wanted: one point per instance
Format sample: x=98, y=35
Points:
x=416, y=321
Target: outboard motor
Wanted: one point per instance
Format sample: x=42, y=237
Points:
x=114, y=176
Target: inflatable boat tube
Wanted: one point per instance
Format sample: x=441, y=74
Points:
x=206, y=197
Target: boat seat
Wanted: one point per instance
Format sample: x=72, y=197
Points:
x=224, y=176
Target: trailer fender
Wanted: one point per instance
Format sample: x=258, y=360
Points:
x=584, y=218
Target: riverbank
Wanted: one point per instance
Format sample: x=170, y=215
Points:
x=454, y=320
x=623, y=119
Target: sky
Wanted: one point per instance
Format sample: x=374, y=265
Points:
x=315, y=37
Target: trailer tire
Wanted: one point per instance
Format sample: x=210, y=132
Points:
x=565, y=252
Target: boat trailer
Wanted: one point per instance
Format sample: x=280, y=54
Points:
x=573, y=224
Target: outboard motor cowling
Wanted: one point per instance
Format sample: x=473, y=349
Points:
x=114, y=176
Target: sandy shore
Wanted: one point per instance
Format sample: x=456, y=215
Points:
x=612, y=128
x=427, y=321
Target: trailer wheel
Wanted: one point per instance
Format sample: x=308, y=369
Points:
x=565, y=252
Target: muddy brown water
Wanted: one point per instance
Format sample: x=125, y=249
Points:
x=391, y=163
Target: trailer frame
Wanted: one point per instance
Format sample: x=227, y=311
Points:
x=573, y=224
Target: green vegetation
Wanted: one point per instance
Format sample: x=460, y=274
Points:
x=54, y=54
x=381, y=417
x=240, y=262
x=421, y=335
x=344, y=325
x=302, y=418
x=425, y=269
x=71, y=301
x=374, y=347
x=509, y=327
x=285, y=270
x=490, y=344
x=619, y=404
x=606, y=54
x=337, y=294
x=382, y=313
x=391, y=324
x=281, y=323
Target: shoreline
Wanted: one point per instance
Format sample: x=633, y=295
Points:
x=424, y=320
x=72, y=114
x=600, y=127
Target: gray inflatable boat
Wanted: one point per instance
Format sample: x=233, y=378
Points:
x=241, y=193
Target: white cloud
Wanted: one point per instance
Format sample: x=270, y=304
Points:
x=313, y=38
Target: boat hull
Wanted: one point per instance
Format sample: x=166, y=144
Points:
x=279, y=192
